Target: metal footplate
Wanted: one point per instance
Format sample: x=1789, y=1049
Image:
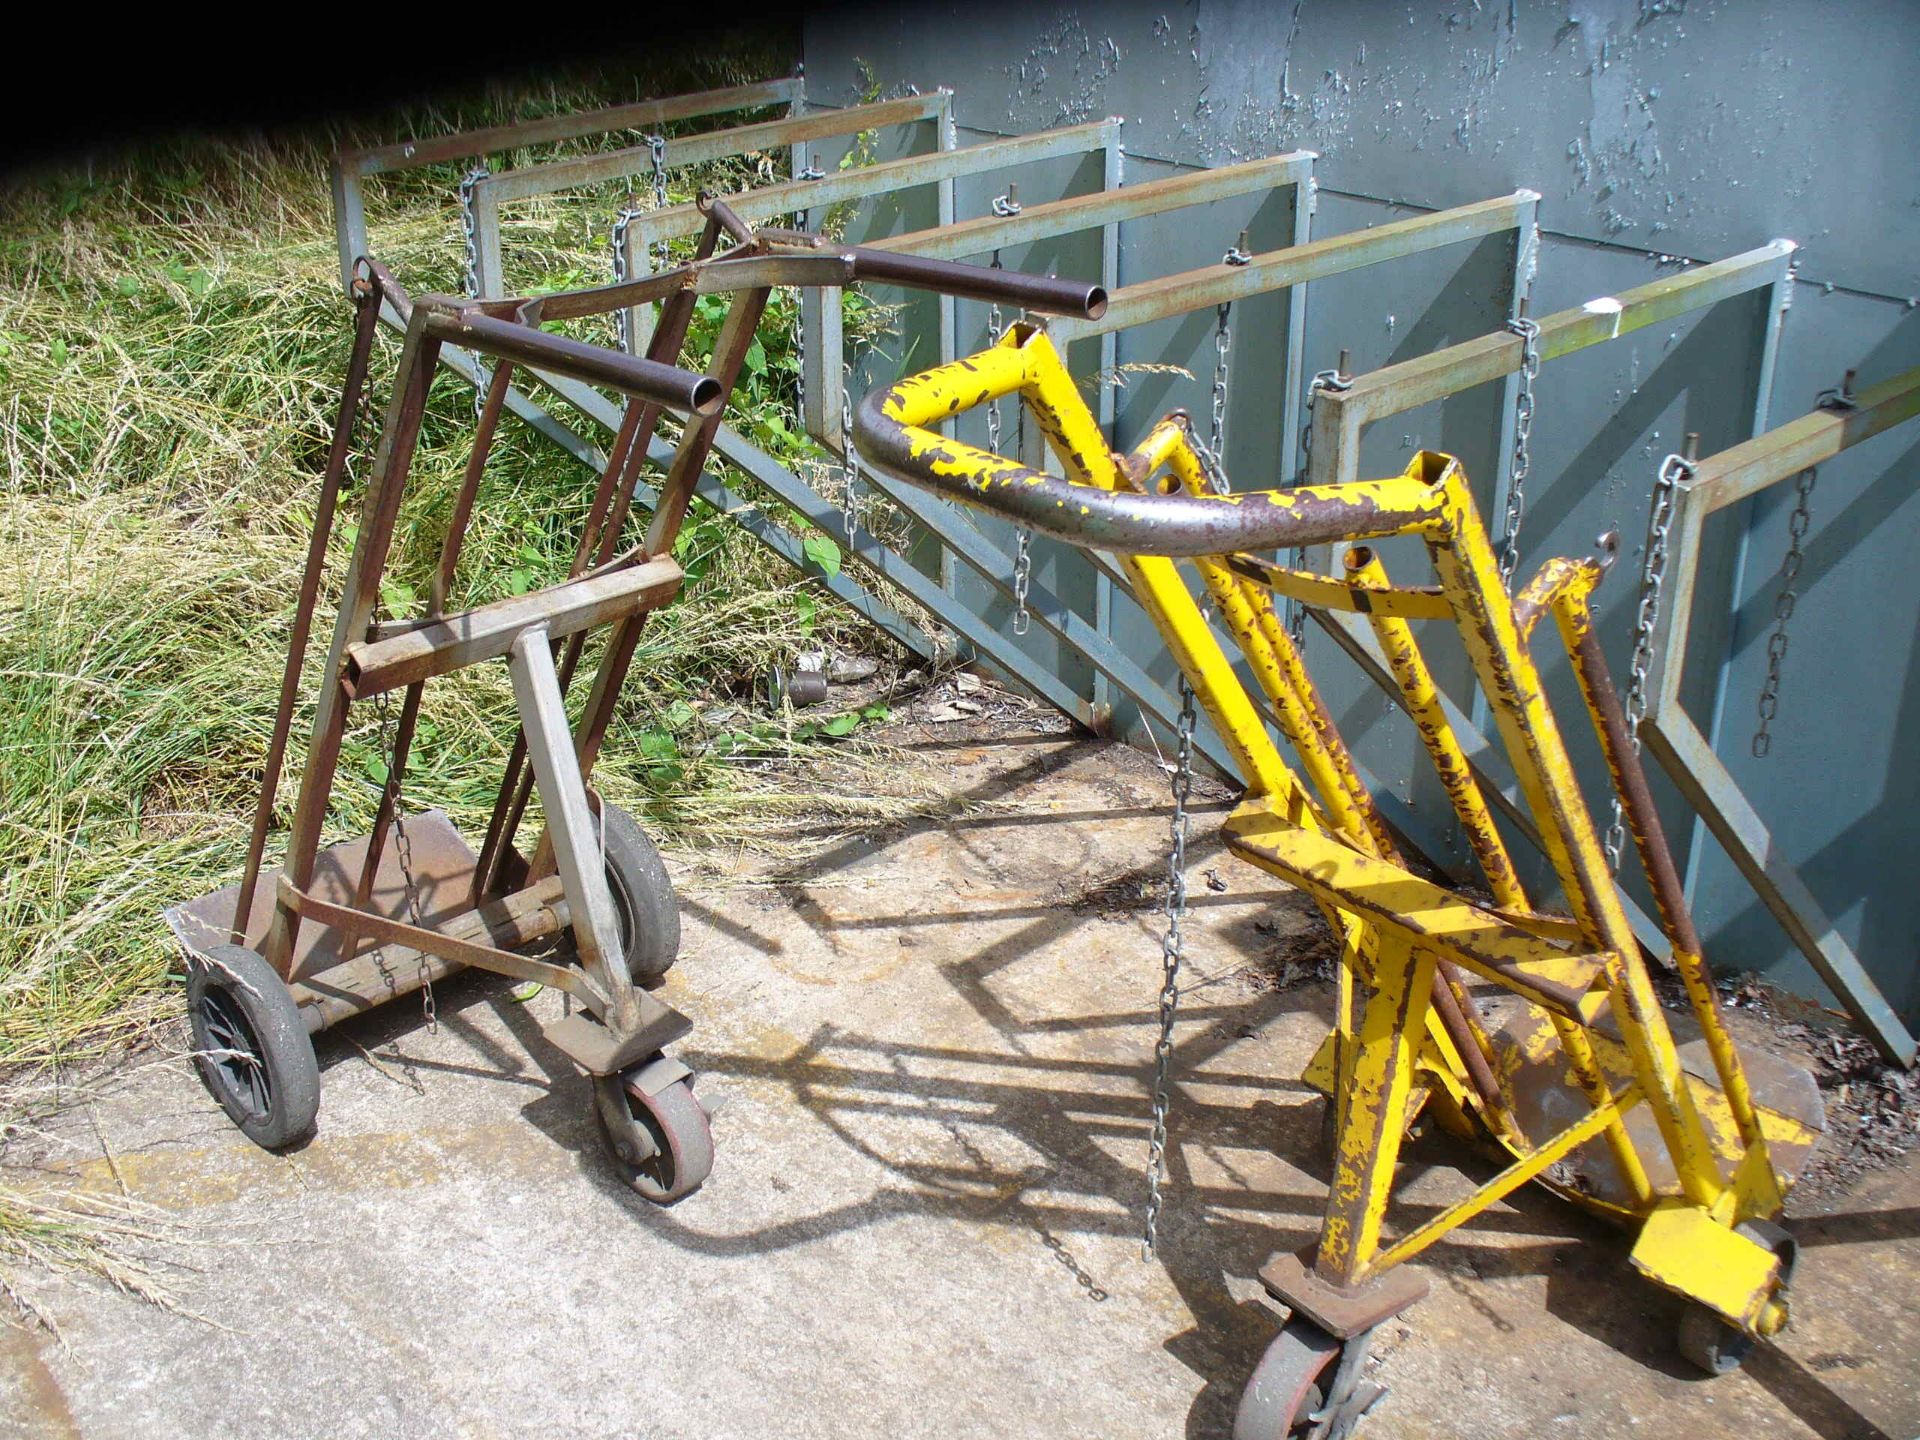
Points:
x=1342, y=1311
x=600, y=1051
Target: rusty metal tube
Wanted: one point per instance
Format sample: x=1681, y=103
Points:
x=678, y=390
x=979, y=282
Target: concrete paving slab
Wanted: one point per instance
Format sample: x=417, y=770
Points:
x=934, y=1047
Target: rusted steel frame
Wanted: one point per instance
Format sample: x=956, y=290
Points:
x=1419, y=696
x=737, y=333
x=365, y=924
x=359, y=358
x=1575, y=621
x=488, y=632
x=1211, y=285
x=678, y=390
x=400, y=433
x=941, y=168
x=1102, y=207
x=1373, y=1121
x=1463, y=556
x=575, y=171
x=491, y=192
x=890, y=427
x=516, y=780
x=1529, y=1167
x=351, y=167
x=1323, y=592
x=1340, y=415
x=456, y=536
x=355, y=986
x=1718, y=481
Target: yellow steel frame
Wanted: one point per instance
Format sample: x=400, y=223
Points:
x=1406, y=1030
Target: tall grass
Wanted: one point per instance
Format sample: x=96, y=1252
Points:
x=171, y=340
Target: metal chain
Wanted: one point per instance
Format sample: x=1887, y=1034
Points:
x=850, y=464
x=1529, y=333
x=1172, y=948
x=1323, y=381
x=1783, y=604
x=470, y=270
x=1022, y=537
x=657, y=152
x=470, y=233
x=1653, y=570
x=1222, y=345
x=617, y=238
x=403, y=851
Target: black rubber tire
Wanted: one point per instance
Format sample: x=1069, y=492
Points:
x=1284, y=1388
x=643, y=898
x=1711, y=1343
x=677, y=1123
x=251, y=1047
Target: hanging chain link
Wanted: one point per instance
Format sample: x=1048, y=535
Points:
x=470, y=233
x=617, y=236
x=1783, y=603
x=1172, y=948
x=1022, y=537
x=1222, y=347
x=1529, y=333
x=850, y=464
x=657, y=152
x=403, y=851
x=1322, y=382
x=470, y=269
x=1653, y=572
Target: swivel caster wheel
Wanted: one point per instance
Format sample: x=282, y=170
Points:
x=1306, y=1385
x=1714, y=1344
x=655, y=1129
x=251, y=1047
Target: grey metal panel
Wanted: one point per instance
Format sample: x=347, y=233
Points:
x=1666, y=126
x=1840, y=788
x=1652, y=131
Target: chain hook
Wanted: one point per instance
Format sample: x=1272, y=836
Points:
x=1529, y=333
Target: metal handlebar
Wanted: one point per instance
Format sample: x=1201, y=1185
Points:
x=681, y=391
x=890, y=430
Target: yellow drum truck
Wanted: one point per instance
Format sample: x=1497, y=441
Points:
x=1538, y=1033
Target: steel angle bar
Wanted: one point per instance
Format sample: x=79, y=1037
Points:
x=1721, y=480
x=678, y=222
x=1102, y=209
x=351, y=167
x=493, y=191
x=1192, y=290
x=1339, y=416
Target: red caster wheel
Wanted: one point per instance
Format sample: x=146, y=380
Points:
x=1306, y=1385
x=655, y=1129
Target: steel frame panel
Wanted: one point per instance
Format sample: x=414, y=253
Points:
x=795, y=134
x=1104, y=209
x=1686, y=754
x=351, y=167
x=942, y=168
x=1340, y=416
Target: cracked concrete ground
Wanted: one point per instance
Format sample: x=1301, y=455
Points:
x=924, y=1218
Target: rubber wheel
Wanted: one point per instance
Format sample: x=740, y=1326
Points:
x=677, y=1124
x=1715, y=1344
x=1284, y=1391
x=643, y=898
x=1717, y=1347
x=251, y=1047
